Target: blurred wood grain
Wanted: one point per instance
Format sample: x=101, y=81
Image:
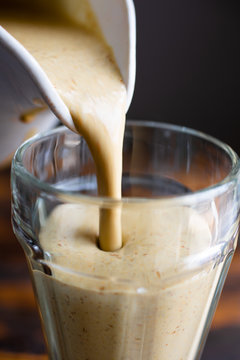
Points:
x=20, y=331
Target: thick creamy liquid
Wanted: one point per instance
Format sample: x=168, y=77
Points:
x=129, y=304
x=94, y=316
x=81, y=67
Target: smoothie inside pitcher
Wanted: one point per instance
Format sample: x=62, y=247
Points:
x=82, y=68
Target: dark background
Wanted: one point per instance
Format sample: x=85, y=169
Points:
x=188, y=62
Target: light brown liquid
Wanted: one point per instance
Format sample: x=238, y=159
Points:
x=102, y=305
x=82, y=69
x=129, y=304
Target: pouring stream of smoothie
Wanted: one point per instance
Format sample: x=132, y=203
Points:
x=82, y=68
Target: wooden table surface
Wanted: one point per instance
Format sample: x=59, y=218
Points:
x=20, y=332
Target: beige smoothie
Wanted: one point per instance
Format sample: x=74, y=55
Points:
x=129, y=302
x=82, y=69
x=133, y=303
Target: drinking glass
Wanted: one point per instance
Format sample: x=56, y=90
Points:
x=155, y=297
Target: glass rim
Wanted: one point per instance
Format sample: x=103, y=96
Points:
x=188, y=199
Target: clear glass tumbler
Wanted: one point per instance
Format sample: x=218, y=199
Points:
x=155, y=297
